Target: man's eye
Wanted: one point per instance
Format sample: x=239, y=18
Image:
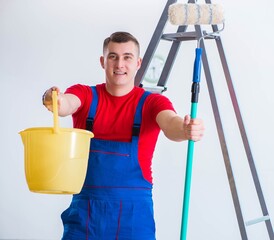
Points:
x=111, y=56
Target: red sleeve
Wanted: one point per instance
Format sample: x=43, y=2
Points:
x=84, y=93
x=157, y=103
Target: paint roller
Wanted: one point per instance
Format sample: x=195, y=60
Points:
x=193, y=14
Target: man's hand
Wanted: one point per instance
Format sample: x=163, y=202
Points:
x=47, y=97
x=194, y=128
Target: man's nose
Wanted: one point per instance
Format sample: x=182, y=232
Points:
x=120, y=62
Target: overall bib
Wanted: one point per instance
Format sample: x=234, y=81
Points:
x=115, y=202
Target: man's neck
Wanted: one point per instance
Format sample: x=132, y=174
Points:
x=119, y=91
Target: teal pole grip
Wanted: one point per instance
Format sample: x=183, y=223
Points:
x=190, y=151
x=188, y=178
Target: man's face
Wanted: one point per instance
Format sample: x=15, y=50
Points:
x=121, y=62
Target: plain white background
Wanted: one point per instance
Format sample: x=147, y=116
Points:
x=59, y=42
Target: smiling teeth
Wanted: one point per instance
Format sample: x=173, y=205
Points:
x=120, y=73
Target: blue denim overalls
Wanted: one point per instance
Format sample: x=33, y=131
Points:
x=115, y=202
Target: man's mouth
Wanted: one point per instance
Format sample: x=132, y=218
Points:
x=120, y=73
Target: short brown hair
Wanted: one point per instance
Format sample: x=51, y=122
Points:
x=120, y=37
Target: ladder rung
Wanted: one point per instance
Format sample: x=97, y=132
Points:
x=257, y=220
x=155, y=89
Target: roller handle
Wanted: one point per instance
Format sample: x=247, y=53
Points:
x=197, y=65
x=190, y=151
x=196, y=77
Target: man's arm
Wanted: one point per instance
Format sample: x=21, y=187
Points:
x=179, y=129
x=67, y=103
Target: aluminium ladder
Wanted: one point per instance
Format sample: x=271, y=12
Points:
x=177, y=38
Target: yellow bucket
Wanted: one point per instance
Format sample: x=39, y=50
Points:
x=56, y=158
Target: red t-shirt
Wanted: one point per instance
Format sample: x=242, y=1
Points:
x=115, y=115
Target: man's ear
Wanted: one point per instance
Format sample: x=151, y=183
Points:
x=102, y=61
x=139, y=63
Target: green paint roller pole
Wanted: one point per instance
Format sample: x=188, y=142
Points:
x=190, y=151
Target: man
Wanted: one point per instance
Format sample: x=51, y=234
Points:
x=116, y=199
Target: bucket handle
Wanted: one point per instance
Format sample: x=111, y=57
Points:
x=55, y=112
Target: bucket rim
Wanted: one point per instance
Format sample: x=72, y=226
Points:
x=76, y=130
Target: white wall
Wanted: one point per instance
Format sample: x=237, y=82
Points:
x=58, y=42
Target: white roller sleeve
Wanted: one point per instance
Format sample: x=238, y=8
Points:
x=195, y=14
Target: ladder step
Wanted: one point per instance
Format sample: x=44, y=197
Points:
x=186, y=36
x=257, y=220
x=155, y=89
x=180, y=36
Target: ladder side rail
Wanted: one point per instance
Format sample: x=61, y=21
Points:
x=243, y=134
x=153, y=44
x=222, y=139
x=170, y=59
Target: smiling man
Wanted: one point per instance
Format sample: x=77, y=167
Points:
x=116, y=199
x=120, y=62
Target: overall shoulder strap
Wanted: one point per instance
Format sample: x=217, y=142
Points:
x=138, y=115
x=92, y=110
